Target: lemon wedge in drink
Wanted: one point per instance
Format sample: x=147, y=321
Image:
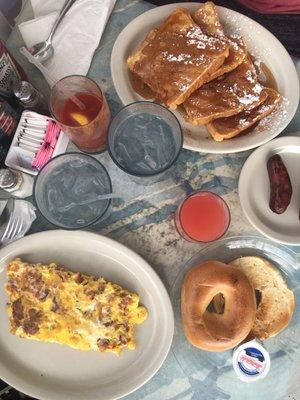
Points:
x=81, y=119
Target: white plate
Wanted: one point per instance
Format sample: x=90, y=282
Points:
x=261, y=43
x=254, y=191
x=52, y=371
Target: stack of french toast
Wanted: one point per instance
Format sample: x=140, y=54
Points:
x=190, y=62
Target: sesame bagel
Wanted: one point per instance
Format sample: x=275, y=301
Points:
x=209, y=330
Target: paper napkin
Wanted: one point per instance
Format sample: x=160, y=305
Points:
x=75, y=39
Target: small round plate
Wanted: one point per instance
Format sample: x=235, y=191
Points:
x=210, y=374
x=260, y=42
x=52, y=371
x=254, y=191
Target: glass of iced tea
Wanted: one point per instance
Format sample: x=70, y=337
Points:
x=80, y=108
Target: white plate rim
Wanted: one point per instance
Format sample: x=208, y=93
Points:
x=115, y=68
x=144, y=266
x=242, y=190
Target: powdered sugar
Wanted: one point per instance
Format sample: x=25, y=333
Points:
x=249, y=76
x=276, y=120
x=180, y=58
x=257, y=88
x=248, y=99
x=197, y=37
x=184, y=58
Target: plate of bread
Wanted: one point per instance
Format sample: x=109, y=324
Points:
x=229, y=81
x=238, y=290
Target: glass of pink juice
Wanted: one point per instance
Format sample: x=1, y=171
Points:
x=202, y=217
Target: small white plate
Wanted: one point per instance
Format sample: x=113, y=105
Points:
x=254, y=191
x=260, y=42
x=52, y=371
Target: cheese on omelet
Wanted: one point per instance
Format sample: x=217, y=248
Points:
x=51, y=304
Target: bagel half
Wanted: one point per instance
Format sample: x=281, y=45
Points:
x=277, y=302
x=210, y=330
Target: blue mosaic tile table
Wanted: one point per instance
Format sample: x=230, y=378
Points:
x=143, y=219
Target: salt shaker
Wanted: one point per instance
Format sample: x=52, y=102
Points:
x=29, y=97
x=15, y=182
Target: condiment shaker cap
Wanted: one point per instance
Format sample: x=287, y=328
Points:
x=23, y=91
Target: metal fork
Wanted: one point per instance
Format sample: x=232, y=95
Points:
x=13, y=228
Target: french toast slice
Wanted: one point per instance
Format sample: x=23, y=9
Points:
x=227, y=128
x=208, y=19
x=177, y=58
x=239, y=90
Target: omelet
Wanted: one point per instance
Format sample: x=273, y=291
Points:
x=51, y=304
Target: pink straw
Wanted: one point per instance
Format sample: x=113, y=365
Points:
x=48, y=145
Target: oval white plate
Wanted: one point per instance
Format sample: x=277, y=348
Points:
x=261, y=43
x=52, y=371
x=254, y=191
